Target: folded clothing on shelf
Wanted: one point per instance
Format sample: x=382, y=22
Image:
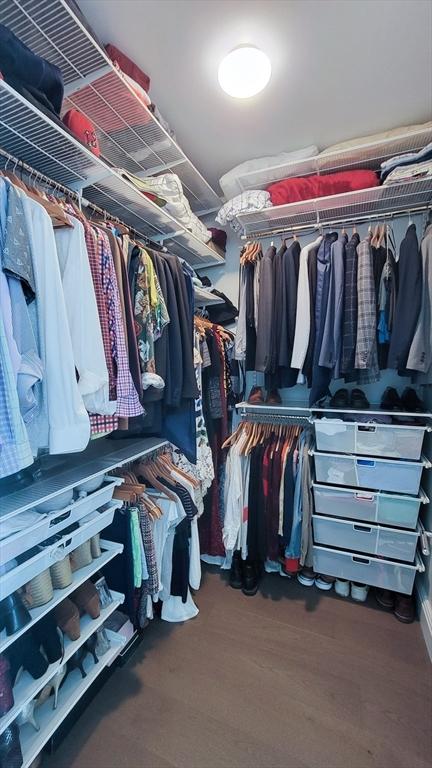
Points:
x=411, y=172
x=83, y=129
x=20, y=66
x=128, y=67
x=295, y=190
x=263, y=167
x=246, y=202
x=168, y=188
x=408, y=159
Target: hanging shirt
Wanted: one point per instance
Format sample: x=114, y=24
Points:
x=349, y=323
x=366, y=357
x=68, y=421
x=408, y=301
x=265, y=312
x=82, y=312
x=420, y=354
x=332, y=335
x=302, y=323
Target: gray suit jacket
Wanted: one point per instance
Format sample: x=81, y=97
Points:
x=420, y=354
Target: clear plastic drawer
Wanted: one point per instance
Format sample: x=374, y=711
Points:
x=386, y=574
x=368, y=506
x=376, y=540
x=391, y=440
x=398, y=476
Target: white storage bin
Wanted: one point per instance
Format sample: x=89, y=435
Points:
x=368, y=506
x=361, y=537
x=392, y=440
x=54, y=522
x=395, y=475
x=386, y=574
x=20, y=575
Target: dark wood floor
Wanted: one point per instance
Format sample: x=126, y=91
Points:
x=291, y=678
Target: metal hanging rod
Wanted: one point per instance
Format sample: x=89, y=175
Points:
x=276, y=418
x=353, y=220
x=57, y=187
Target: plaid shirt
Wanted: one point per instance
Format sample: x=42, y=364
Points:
x=349, y=327
x=128, y=403
x=101, y=424
x=366, y=347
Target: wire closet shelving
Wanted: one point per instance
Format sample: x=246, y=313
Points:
x=139, y=143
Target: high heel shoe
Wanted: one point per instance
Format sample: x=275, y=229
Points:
x=76, y=661
x=27, y=715
x=57, y=681
x=91, y=647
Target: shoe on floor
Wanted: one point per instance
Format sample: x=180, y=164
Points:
x=385, y=598
x=307, y=577
x=342, y=587
x=325, y=582
x=404, y=609
x=235, y=577
x=273, y=397
x=256, y=396
x=250, y=580
x=340, y=399
x=358, y=400
x=359, y=592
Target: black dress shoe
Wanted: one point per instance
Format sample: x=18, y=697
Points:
x=411, y=401
x=340, y=399
x=46, y=634
x=10, y=748
x=250, y=581
x=358, y=400
x=391, y=401
x=235, y=578
x=13, y=613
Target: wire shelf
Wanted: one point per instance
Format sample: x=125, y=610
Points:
x=30, y=135
x=130, y=136
x=366, y=155
x=348, y=205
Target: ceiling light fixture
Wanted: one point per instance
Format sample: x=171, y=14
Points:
x=244, y=72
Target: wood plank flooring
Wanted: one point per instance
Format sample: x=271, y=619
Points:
x=291, y=678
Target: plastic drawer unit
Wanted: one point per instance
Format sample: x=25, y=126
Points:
x=368, y=506
x=395, y=475
x=53, y=522
x=44, y=557
x=376, y=540
x=377, y=572
x=385, y=440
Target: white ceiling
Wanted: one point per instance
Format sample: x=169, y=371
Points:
x=341, y=68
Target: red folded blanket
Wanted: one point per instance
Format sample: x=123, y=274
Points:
x=306, y=187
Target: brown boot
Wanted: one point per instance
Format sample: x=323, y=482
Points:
x=404, y=609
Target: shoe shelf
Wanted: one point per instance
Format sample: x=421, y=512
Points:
x=23, y=572
x=60, y=473
x=28, y=688
x=28, y=134
x=367, y=155
x=109, y=551
x=32, y=742
x=292, y=408
x=95, y=86
x=364, y=203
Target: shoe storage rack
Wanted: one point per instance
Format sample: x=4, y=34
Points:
x=367, y=493
x=23, y=556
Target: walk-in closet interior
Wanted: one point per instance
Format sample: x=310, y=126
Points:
x=215, y=383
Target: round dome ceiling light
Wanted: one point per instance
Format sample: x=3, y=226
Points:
x=244, y=72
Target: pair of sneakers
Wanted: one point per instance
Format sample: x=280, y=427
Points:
x=353, y=589
x=309, y=578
